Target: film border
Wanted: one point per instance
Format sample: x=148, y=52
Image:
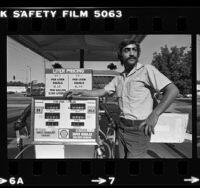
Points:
x=178, y=22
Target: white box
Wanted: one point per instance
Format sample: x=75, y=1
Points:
x=170, y=128
x=49, y=151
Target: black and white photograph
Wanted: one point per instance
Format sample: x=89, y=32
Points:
x=100, y=96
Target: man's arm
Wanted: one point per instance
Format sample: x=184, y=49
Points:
x=170, y=93
x=108, y=89
x=88, y=93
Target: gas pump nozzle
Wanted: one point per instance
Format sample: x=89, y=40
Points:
x=99, y=153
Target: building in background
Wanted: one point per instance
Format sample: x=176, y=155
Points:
x=16, y=89
x=102, y=77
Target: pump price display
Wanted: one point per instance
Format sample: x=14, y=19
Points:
x=52, y=116
x=68, y=121
x=60, y=80
x=76, y=106
x=49, y=123
x=52, y=106
x=77, y=115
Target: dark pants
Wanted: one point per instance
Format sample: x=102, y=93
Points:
x=132, y=141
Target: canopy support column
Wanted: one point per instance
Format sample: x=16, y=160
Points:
x=81, y=58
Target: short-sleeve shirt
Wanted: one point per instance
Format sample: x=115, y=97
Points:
x=134, y=91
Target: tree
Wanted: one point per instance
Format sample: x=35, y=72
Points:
x=112, y=66
x=57, y=66
x=176, y=64
x=11, y=83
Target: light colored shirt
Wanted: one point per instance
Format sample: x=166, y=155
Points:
x=135, y=91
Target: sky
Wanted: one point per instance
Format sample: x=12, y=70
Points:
x=21, y=61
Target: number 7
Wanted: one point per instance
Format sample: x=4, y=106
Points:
x=112, y=180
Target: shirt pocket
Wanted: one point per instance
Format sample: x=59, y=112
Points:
x=135, y=89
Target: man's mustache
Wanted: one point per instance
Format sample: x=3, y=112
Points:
x=135, y=58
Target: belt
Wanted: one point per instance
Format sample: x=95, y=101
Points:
x=130, y=123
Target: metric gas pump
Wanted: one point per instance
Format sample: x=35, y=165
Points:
x=68, y=127
x=72, y=123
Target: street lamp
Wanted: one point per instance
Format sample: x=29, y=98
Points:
x=30, y=77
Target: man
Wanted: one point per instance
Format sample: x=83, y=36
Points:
x=135, y=88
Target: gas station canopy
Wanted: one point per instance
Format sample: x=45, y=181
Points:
x=75, y=47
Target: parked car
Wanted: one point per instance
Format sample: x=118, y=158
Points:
x=28, y=94
x=188, y=95
x=179, y=96
x=24, y=93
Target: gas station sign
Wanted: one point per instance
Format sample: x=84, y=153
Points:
x=60, y=80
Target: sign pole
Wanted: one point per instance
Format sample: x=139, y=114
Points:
x=81, y=58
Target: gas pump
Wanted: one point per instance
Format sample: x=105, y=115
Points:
x=65, y=128
x=71, y=123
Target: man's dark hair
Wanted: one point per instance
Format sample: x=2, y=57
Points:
x=124, y=43
x=57, y=66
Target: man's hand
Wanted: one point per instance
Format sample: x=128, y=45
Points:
x=71, y=92
x=85, y=93
x=170, y=93
x=150, y=123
